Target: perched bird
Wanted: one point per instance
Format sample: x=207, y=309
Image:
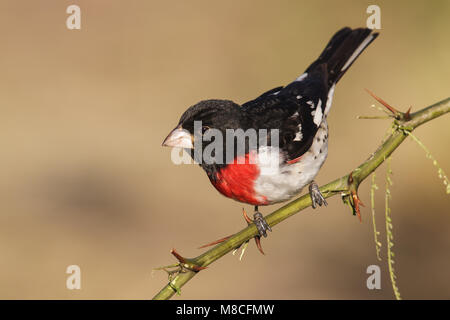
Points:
x=297, y=111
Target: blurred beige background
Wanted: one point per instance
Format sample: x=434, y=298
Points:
x=84, y=179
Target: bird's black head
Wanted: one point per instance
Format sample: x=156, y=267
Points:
x=207, y=122
x=214, y=114
x=207, y=114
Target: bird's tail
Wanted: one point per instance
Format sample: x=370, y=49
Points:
x=342, y=50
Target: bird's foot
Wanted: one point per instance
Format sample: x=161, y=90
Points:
x=261, y=224
x=316, y=197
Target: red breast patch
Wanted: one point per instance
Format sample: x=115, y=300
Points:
x=236, y=180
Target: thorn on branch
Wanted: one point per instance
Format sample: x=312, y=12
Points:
x=354, y=201
x=350, y=178
x=258, y=244
x=384, y=103
x=186, y=263
x=214, y=242
x=405, y=116
x=246, y=217
x=178, y=256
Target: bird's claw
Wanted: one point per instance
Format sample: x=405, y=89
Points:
x=316, y=196
x=261, y=224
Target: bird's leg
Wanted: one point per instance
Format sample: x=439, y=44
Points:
x=261, y=223
x=316, y=197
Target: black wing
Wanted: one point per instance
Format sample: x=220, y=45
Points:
x=298, y=109
x=261, y=98
x=291, y=110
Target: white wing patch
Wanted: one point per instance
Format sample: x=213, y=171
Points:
x=299, y=134
x=294, y=116
x=301, y=77
x=329, y=99
x=318, y=114
x=358, y=50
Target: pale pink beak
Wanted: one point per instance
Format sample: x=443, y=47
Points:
x=180, y=138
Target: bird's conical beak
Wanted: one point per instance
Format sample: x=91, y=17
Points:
x=180, y=138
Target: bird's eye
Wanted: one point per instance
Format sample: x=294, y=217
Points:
x=204, y=129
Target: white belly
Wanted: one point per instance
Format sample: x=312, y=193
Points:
x=278, y=183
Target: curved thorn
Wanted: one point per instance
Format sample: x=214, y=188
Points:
x=258, y=244
x=178, y=256
x=197, y=268
x=350, y=178
x=184, y=263
x=215, y=242
x=356, y=203
x=246, y=217
x=384, y=103
x=407, y=115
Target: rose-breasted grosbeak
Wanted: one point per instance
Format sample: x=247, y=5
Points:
x=298, y=110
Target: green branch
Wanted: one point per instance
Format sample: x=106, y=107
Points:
x=346, y=186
